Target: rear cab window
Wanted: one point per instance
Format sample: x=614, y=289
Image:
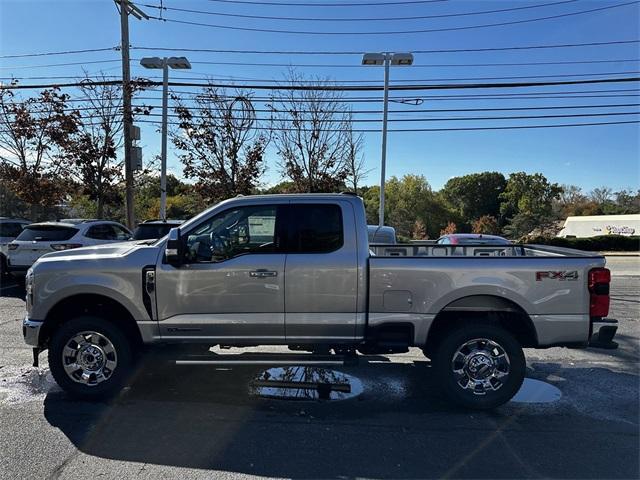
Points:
x=315, y=228
x=47, y=233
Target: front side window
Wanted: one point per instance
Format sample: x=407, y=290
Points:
x=315, y=228
x=101, y=232
x=239, y=231
x=120, y=233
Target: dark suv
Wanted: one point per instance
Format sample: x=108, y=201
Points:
x=151, y=229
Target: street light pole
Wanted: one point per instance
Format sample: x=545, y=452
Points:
x=163, y=152
x=164, y=64
x=386, y=59
x=383, y=164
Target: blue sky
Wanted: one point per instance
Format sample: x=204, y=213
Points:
x=585, y=156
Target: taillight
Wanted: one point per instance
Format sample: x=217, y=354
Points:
x=599, y=280
x=65, y=246
x=13, y=246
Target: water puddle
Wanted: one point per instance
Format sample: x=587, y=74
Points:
x=25, y=384
x=305, y=383
x=536, y=391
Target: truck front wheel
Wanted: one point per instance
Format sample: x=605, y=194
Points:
x=479, y=366
x=90, y=358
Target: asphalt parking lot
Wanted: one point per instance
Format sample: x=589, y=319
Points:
x=185, y=422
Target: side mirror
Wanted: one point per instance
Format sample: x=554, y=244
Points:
x=172, y=249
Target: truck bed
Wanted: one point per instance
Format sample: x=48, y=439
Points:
x=415, y=282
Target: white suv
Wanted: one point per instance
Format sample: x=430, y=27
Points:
x=10, y=228
x=40, y=238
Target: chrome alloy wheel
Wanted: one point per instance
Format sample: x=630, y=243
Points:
x=89, y=358
x=480, y=365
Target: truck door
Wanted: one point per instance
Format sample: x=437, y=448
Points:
x=321, y=271
x=230, y=284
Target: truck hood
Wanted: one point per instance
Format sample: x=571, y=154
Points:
x=102, y=252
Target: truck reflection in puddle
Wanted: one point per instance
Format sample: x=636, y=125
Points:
x=305, y=383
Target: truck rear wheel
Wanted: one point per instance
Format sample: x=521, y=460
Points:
x=90, y=358
x=479, y=366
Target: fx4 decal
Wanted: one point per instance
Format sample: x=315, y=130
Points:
x=571, y=275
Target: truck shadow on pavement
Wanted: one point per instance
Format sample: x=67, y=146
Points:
x=399, y=427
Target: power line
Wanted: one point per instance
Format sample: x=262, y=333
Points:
x=69, y=64
x=360, y=19
x=431, y=65
x=446, y=97
x=333, y=53
x=65, y=52
x=423, y=119
x=345, y=81
x=341, y=4
x=447, y=129
x=447, y=110
x=458, y=129
x=299, y=52
x=369, y=120
x=454, y=79
x=335, y=88
x=394, y=32
x=328, y=65
x=571, y=94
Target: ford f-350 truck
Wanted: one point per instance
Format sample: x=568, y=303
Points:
x=298, y=270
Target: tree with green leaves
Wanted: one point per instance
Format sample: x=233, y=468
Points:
x=527, y=201
x=408, y=199
x=475, y=195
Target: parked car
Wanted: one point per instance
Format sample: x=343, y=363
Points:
x=296, y=270
x=378, y=234
x=10, y=228
x=38, y=239
x=471, y=239
x=151, y=229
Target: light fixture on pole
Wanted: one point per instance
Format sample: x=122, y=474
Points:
x=180, y=63
x=386, y=59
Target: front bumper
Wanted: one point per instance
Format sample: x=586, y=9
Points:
x=601, y=333
x=31, y=331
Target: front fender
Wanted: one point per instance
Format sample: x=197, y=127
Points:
x=50, y=290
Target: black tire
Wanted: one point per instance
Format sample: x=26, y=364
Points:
x=447, y=347
x=121, y=346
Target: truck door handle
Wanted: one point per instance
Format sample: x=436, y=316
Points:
x=263, y=273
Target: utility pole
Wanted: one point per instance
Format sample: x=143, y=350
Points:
x=125, y=9
x=126, y=104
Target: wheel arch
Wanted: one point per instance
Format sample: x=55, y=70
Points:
x=483, y=309
x=90, y=304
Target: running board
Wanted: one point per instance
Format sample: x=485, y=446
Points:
x=267, y=359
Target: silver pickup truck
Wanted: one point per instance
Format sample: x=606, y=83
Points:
x=298, y=270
